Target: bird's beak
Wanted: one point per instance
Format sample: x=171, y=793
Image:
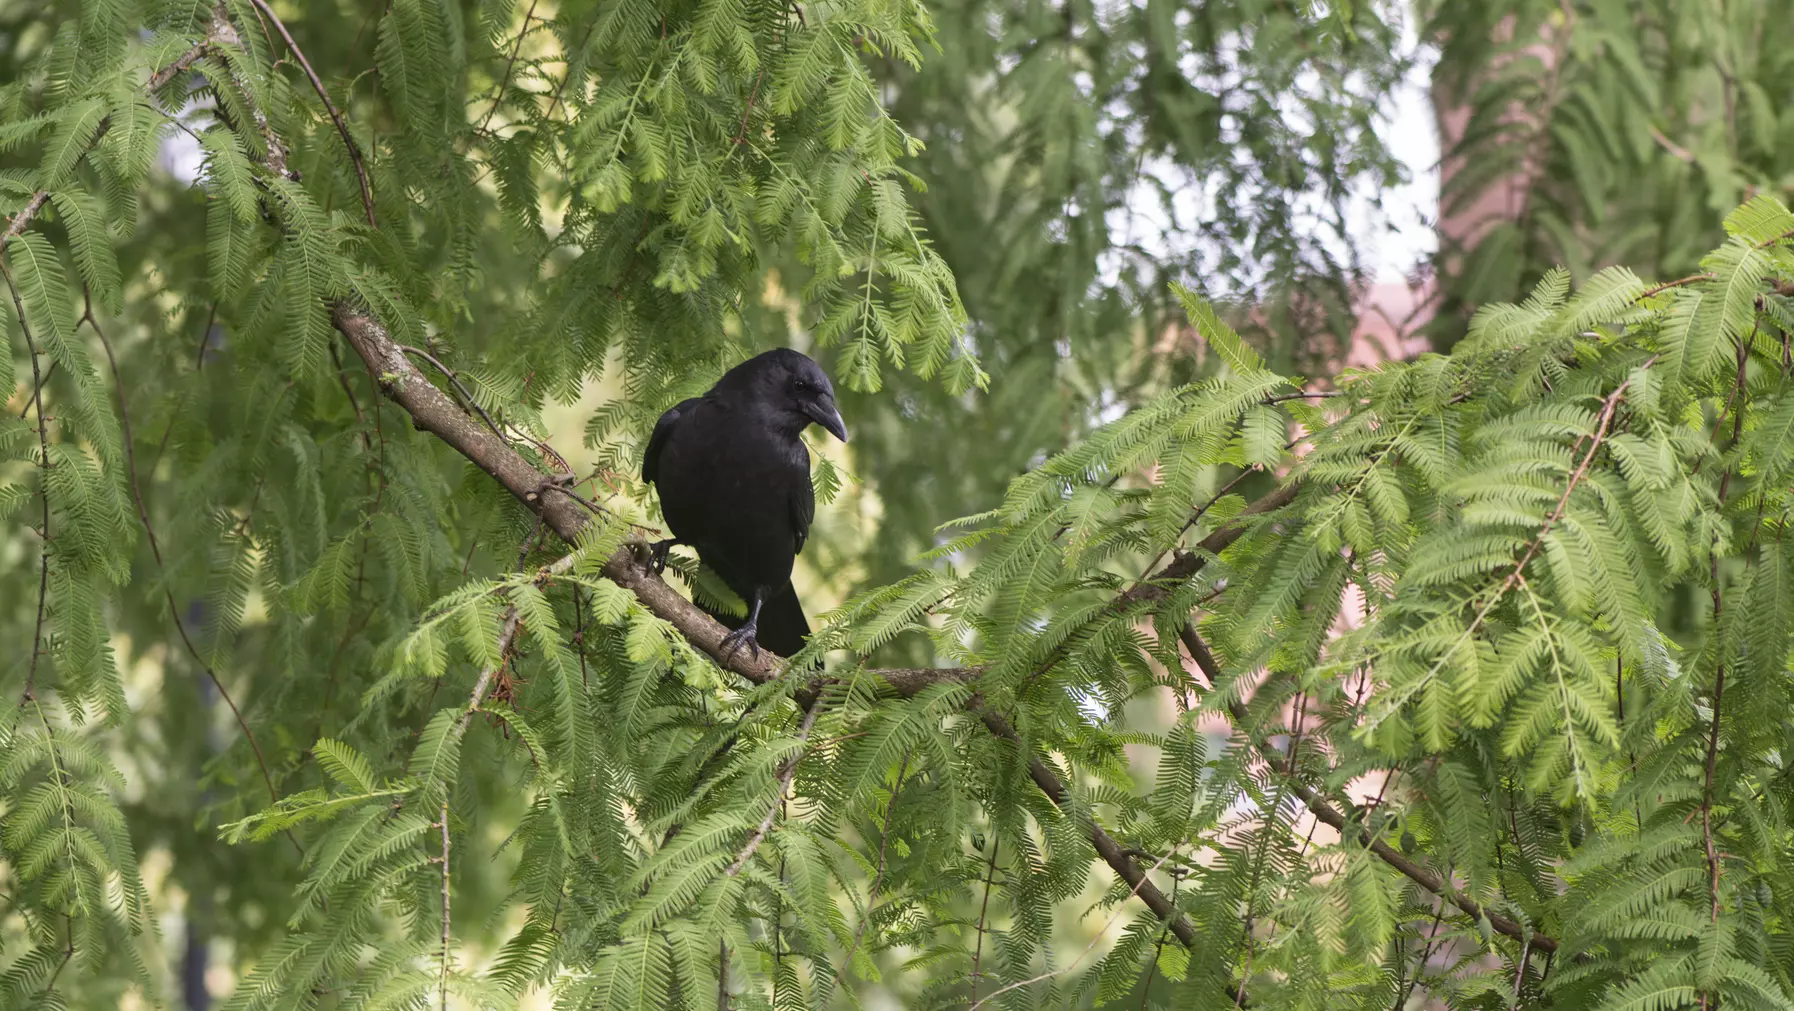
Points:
x=823, y=413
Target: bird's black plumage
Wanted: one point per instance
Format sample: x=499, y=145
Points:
x=734, y=482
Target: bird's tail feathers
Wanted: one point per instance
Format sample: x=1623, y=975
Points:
x=783, y=627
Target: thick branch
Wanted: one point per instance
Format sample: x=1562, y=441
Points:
x=433, y=411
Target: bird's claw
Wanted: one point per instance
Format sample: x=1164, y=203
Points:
x=657, y=554
x=743, y=636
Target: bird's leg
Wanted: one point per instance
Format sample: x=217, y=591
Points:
x=657, y=554
x=745, y=635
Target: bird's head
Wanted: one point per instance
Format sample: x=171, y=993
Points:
x=792, y=385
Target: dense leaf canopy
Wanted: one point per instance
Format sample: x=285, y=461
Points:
x=334, y=660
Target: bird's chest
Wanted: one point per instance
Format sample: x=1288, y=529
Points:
x=725, y=467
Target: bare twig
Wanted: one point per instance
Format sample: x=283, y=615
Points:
x=507, y=637
x=68, y=953
x=1671, y=146
x=1714, y=867
x=37, y=389
x=1304, y=395
x=741, y=131
x=1520, y=972
x=1658, y=289
x=452, y=377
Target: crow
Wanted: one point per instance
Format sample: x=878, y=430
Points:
x=734, y=482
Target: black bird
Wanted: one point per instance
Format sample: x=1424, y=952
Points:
x=734, y=483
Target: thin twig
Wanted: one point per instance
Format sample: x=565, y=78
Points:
x=786, y=772
x=507, y=637
x=1326, y=812
x=342, y=379
x=37, y=389
x=579, y=633
x=1669, y=145
x=990, y=876
x=1520, y=973
x=1304, y=395
x=68, y=954
x=878, y=877
x=1677, y=283
x=741, y=131
x=1426, y=954
x=1258, y=865
x=556, y=103
x=452, y=377
x=528, y=16
x=1712, y=850
x=199, y=364
x=1158, y=949
x=361, y=172
x=149, y=530
x=1119, y=909
x=1609, y=407
x=43, y=445
x=442, y=983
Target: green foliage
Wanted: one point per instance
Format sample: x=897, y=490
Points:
x=1515, y=629
x=1606, y=133
x=1080, y=158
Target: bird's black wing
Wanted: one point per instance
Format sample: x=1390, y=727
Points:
x=803, y=510
x=663, y=429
